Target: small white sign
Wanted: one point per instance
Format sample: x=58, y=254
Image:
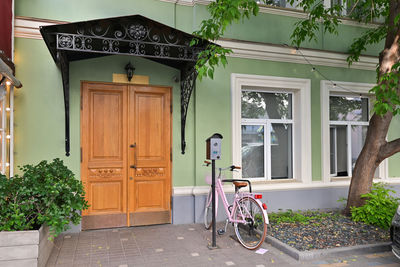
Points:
x=261, y=251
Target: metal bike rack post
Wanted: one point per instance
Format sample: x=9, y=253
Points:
x=213, y=152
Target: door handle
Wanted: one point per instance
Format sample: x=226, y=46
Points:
x=134, y=156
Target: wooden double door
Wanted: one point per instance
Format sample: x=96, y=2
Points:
x=125, y=154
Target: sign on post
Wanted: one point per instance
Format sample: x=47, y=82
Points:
x=213, y=149
x=213, y=152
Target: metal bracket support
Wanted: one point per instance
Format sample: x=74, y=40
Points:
x=63, y=64
x=188, y=84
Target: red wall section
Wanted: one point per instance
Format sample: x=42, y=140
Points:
x=6, y=26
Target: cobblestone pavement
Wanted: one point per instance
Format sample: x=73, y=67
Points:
x=181, y=245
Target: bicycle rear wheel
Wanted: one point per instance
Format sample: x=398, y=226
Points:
x=208, y=211
x=252, y=233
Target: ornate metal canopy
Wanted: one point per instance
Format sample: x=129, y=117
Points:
x=131, y=35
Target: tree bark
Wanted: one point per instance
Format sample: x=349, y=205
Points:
x=376, y=148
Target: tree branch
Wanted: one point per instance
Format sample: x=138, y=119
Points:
x=389, y=149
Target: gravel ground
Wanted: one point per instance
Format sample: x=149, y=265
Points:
x=331, y=231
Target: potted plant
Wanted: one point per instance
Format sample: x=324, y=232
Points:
x=35, y=207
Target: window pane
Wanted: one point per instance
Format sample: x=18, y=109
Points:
x=333, y=150
x=358, y=134
x=340, y=159
x=260, y=105
x=280, y=3
x=281, y=151
x=252, y=151
x=348, y=108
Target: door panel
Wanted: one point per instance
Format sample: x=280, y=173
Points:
x=104, y=159
x=150, y=133
x=107, y=129
x=113, y=191
x=150, y=194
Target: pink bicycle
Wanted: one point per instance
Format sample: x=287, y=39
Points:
x=247, y=214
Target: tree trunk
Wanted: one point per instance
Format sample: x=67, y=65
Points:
x=376, y=149
x=368, y=160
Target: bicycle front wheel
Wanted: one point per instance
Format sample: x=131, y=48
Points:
x=250, y=234
x=208, y=211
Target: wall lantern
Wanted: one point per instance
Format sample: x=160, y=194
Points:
x=129, y=71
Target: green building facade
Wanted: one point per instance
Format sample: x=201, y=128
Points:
x=295, y=128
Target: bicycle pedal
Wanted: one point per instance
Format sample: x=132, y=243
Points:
x=221, y=231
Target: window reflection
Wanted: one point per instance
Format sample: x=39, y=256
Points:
x=260, y=105
x=348, y=108
x=252, y=151
x=358, y=135
x=281, y=151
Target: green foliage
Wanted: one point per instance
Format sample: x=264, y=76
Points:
x=305, y=217
x=387, y=98
x=379, y=207
x=47, y=193
x=319, y=18
x=258, y=220
x=360, y=44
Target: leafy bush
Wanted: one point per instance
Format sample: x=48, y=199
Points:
x=379, y=207
x=47, y=193
x=305, y=217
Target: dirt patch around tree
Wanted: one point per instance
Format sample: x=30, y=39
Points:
x=322, y=230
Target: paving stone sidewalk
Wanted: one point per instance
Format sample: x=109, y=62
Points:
x=181, y=245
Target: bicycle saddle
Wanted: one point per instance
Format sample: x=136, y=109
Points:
x=240, y=184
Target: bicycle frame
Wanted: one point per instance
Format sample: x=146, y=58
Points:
x=220, y=192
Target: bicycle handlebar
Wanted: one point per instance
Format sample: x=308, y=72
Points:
x=231, y=168
x=234, y=167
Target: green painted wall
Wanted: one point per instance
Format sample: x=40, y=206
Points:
x=78, y=10
x=39, y=115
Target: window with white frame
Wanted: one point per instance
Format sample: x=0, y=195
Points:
x=348, y=125
x=345, y=118
x=271, y=127
x=267, y=134
x=349, y=7
x=278, y=3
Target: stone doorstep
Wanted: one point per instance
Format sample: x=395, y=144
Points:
x=319, y=253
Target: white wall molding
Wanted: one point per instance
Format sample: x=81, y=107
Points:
x=270, y=52
x=29, y=28
x=326, y=88
x=301, y=89
x=26, y=27
x=187, y=2
x=272, y=186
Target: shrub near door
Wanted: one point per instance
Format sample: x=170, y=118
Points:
x=36, y=207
